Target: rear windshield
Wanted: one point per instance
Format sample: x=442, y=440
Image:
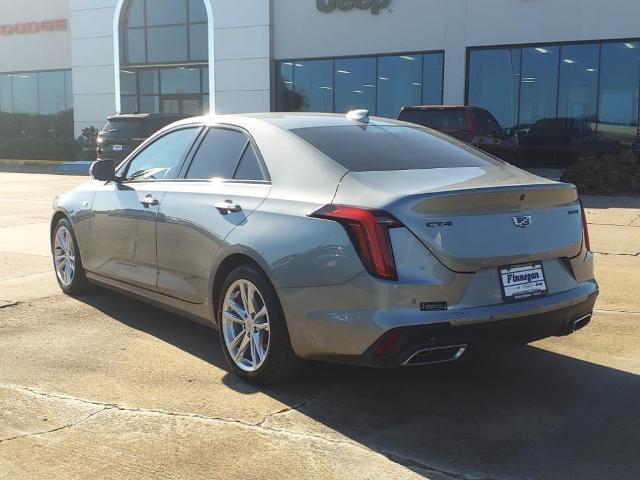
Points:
x=384, y=148
x=128, y=129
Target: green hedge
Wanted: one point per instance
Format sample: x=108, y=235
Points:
x=38, y=137
x=40, y=149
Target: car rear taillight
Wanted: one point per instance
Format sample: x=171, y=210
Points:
x=585, y=228
x=369, y=232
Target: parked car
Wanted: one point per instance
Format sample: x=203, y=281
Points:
x=330, y=237
x=473, y=125
x=122, y=134
x=563, y=141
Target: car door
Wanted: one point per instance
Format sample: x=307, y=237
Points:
x=124, y=213
x=223, y=184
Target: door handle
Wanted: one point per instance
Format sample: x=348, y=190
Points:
x=228, y=206
x=149, y=201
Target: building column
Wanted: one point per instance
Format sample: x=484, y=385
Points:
x=92, y=62
x=455, y=51
x=242, y=55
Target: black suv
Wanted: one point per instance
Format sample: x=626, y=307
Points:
x=123, y=133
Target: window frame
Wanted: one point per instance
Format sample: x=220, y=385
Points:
x=123, y=169
x=249, y=143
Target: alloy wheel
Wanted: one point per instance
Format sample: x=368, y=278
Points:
x=64, y=256
x=245, y=325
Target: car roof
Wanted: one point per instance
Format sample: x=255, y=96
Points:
x=145, y=116
x=291, y=121
x=441, y=107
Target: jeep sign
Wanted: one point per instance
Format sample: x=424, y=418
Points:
x=329, y=6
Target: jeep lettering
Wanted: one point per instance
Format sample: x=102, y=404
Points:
x=329, y=6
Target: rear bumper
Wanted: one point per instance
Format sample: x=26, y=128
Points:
x=474, y=337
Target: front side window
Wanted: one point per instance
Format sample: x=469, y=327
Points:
x=161, y=160
x=447, y=120
x=218, y=155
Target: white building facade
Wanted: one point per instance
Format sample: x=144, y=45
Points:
x=524, y=60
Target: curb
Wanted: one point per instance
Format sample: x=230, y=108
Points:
x=4, y=161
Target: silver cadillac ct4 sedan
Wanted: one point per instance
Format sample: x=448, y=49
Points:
x=344, y=238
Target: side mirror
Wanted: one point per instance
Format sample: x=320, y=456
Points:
x=103, y=170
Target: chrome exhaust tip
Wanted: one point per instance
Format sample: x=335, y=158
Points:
x=427, y=356
x=581, y=322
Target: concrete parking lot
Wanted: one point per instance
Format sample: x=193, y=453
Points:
x=105, y=387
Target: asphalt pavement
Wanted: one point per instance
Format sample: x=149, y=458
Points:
x=105, y=387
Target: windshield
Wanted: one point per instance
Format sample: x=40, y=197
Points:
x=485, y=123
x=383, y=148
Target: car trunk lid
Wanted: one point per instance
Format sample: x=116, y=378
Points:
x=473, y=218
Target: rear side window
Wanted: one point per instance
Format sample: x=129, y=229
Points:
x=384, y=148
x=249, y=167
x=218, y=154
x=446, y=120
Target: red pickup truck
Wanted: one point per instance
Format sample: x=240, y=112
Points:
x=473, y=125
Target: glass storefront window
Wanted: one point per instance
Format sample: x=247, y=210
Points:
x=128, y=104
x=314, y=84
x=167, y=44
x=355, y=84
x=162, y=33
x=539, y=85
x=399, y=83
x=284, y=89
x=51, y=93
x=149, y=81
x=578, y=93
x=494, y=83
x=135, y=14
x=36, y=104
x=618, y=98
x=6, y=93
x=197, y=11
x=205, y=79
x=198, y=42
x=25, y=93
x=68, y=89
x=135, y=46
x=382, y=85
x=166, y=12
x=150, y=103
x=128, y=82
x=432, y=78
x=576, y=100
x=180, y=80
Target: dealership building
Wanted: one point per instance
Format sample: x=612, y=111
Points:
x=536, y=65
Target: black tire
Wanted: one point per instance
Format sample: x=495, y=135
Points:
x=79, y=282
x=280, y=362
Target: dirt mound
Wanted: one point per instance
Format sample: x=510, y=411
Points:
x=608, y=175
